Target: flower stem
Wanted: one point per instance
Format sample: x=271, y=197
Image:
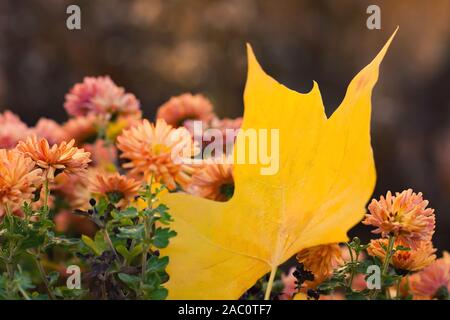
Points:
x=387, y=261
x=25, y=295
x=352, y=274
x=110, y=243
x=43, y=276
x=12, y=247
x=389, y=253
x=46, y=196
x=270, y=283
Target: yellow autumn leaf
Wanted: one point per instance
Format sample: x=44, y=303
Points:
x=326, y=175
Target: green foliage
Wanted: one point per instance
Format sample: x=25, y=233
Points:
x=124, y=236
x=121, y=261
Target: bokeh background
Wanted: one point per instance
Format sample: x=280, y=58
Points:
x=160, y=48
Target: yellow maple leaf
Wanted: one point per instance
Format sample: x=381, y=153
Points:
x=326, y=175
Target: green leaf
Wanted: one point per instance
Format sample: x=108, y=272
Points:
x=161, y=212
x=156, y=264
x=135, y=232
x=162, y=236
x=33, y=240
x=127, y=213
x=131, y=281
x=101, y=206
x=124, y=252
x=137, y=250
x=158, y=294
x=91, y=244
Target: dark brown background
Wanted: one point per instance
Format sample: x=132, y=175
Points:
x=160, y=48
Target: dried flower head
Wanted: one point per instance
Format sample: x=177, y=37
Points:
x=18, y=179
x=155, y=151
x=12, y=130
x=63, y=157
x=404, y=215
x=433, y=282
x=100, y=96
x=50, y=130
x=321, y=260
x=117, y=188
x=213, y=181
x=410, y=260
x=185, y=107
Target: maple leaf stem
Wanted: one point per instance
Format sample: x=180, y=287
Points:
x=270, y=283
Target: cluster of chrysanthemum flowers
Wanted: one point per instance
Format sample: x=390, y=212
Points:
x=405, y=225
x=405, y=220
x=106, y=149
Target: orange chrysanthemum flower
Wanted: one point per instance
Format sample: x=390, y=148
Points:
x=433, y=282
x=213, y=181
x=118, y=189
x=18, y=179
x=321, y=260
x=185, y=107
x=155, y=151
x=58, y=158
x=412, y=260
x=404, y=215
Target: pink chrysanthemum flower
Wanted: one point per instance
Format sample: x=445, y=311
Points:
x=12, y=130
x=154, y=151
x=433, y=282
x=100, y=96
x=18, y=179
x=404, y=215
x=50, y=130
x=57, y=158
x=227, y=127
x=185, y=107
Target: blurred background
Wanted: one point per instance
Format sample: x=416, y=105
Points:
x=160, y=48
